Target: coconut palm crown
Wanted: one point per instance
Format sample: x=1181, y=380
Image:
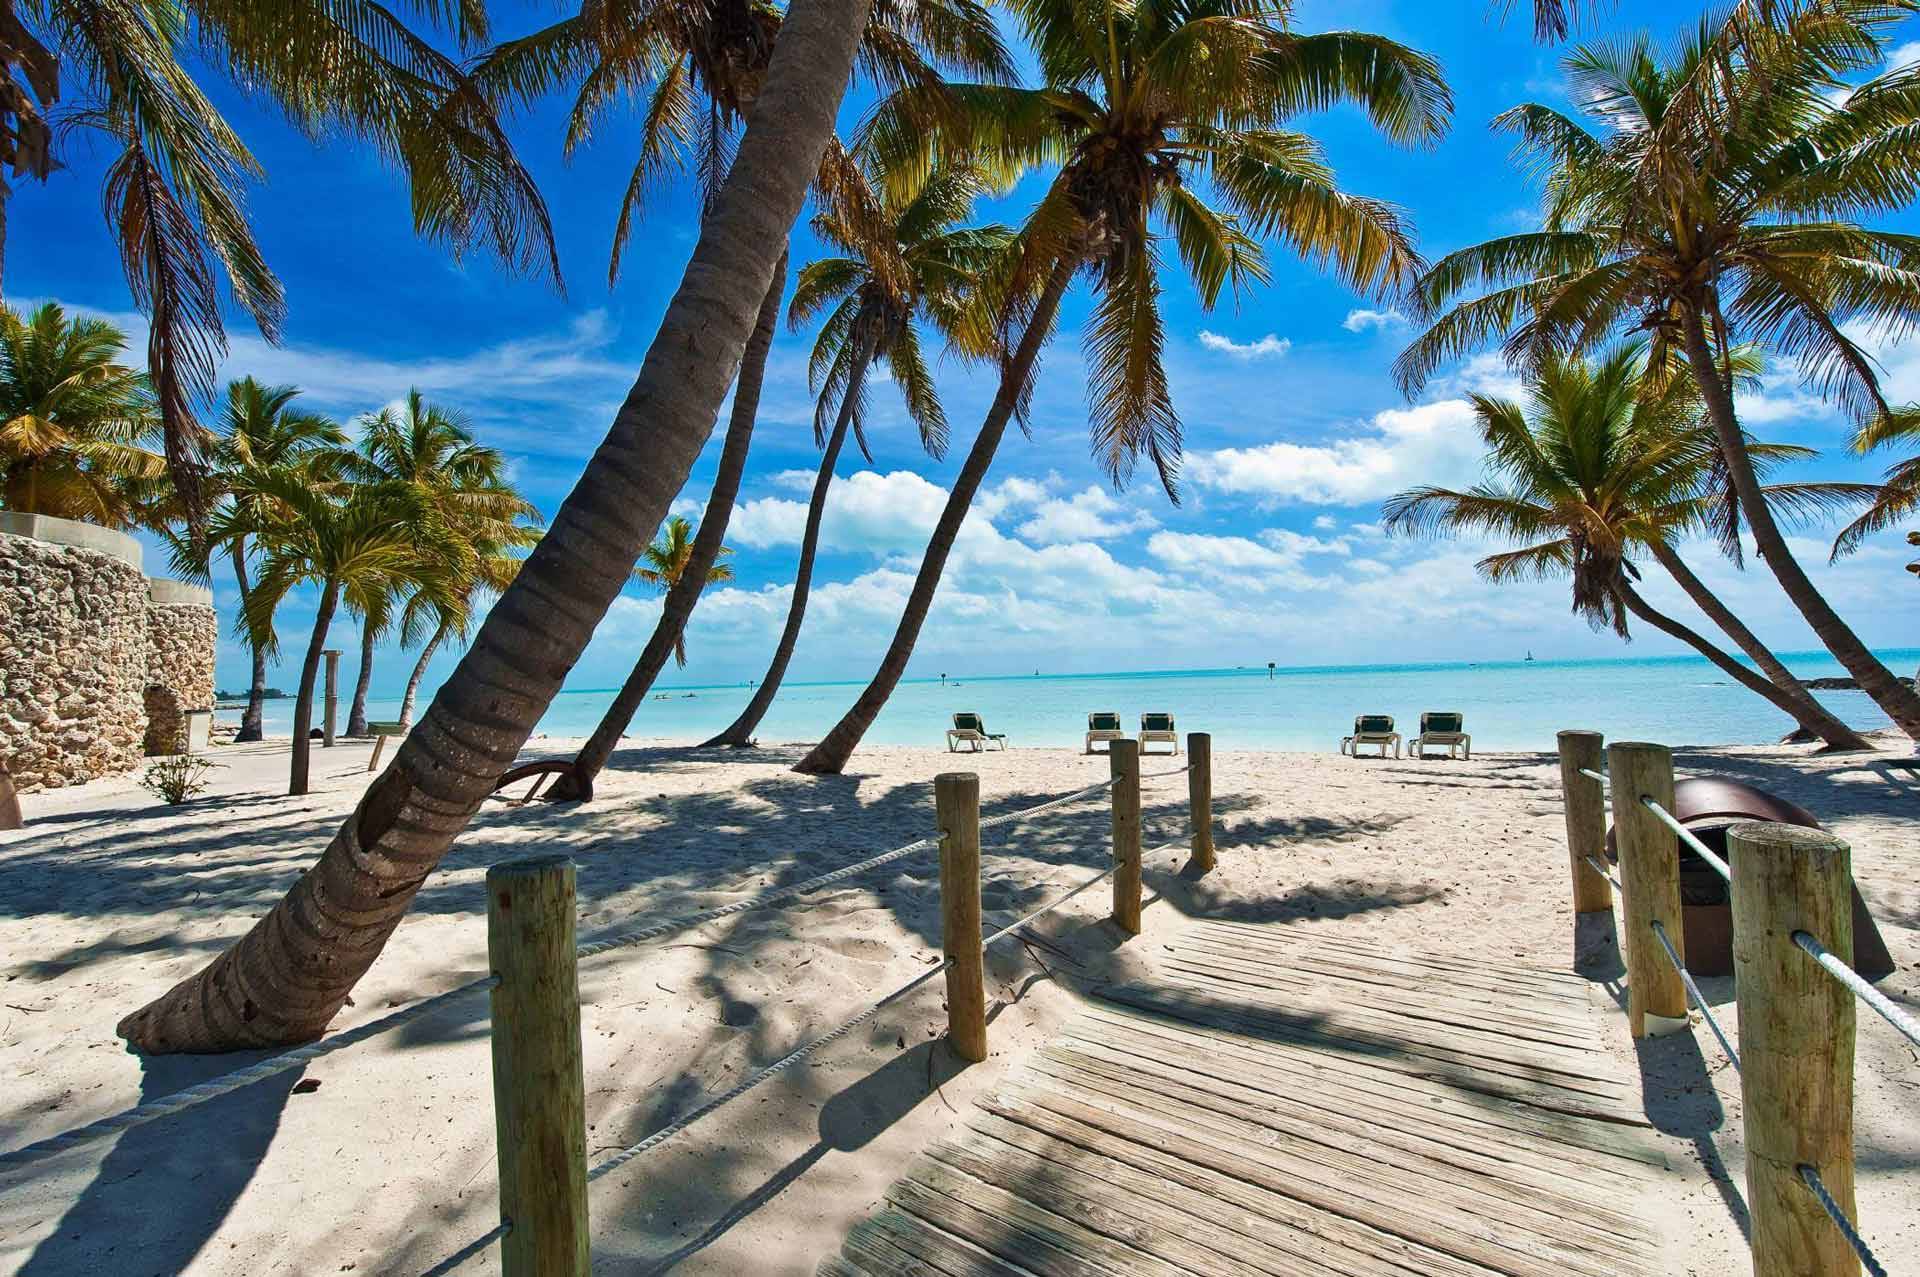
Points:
x=1167, y=120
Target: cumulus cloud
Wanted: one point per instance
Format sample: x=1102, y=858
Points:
x=1396, y=448
x=876, y=513
x=1271, y=346
x=1360, y=321
x=1089, y=515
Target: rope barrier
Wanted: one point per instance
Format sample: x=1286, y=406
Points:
x=1899, y=1019
x=1811, y=1178
x=1688, y=837
x=1088, y=885
x=1693, y=991
x=1171, y=771
x=1591, y=774
x=1602, y=871
x=214, y=1088
x=1062, y=801
x=666, y=1133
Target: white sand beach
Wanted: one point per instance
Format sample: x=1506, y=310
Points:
x=380, y=1159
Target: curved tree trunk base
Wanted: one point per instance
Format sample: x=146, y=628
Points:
x=248, y=736
x=729, y=739
x=568, y=785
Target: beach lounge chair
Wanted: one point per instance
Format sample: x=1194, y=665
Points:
x=1103, y=725
x=1437, y=729
x=968, y=730
x=1371, y=729
x=1158, y=727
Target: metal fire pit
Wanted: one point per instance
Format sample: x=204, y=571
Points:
x=1709, y=806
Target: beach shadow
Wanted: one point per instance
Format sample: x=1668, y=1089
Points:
x=1680, y=1100
x=163, y=1189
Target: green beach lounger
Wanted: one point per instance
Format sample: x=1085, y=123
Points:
x=1103, y=725
x=1371, y=729
x=968, y=730
x=1438, y=729
x=1158, y=727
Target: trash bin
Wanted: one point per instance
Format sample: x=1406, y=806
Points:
x=1709, y=806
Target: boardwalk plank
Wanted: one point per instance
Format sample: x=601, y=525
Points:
x=1273, y=1101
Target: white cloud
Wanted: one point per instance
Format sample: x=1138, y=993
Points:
x=1269, y=347
x=1089, y=515
x=877, y=513
x=1325, y=522
x=1398, y=447
x=1360, y=321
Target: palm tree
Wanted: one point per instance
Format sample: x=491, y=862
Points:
x=261, y=433
x=1140, y=105
x=174, y=196
x=904, y=260
x=356, y=544
x=443, y=609
x=428, y=453
x=290, y=974
x=669, y=557
x=1603, y=461
x=72, y=420
x=1711, y=208
x=699, y=68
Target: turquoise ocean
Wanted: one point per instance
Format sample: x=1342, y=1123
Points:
x=1510, y=705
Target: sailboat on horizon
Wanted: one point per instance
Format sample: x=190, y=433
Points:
x=1529, y=653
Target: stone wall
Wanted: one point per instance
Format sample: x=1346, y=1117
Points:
x=181, y=633
x=73, y=652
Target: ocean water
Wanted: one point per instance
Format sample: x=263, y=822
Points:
x=1509, y=705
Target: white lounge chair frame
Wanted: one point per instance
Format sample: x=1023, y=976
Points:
x=1108, y=734
x=1453, y=741
x=977, y=738
x=1167, y=735
x=1352, y=745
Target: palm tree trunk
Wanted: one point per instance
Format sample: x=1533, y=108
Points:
x=357, y=712
x=1814, y=717
x=1899, y=701
x=309, y=674
x=419, y=672
x=1778, y=697
x=251, y=719
x=287, y=977
x=830, y=756
x=740, y=733
x=670, y=632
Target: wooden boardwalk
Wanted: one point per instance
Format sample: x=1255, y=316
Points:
x=1278, y=1102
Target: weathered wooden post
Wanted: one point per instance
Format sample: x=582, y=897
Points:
x=1649, y=886
x=9, y=802
x=1200, y=797
x=332, y=698
x=956, y=798
x=1586, y=804
x=539, y=1092
x=1124, y=759
x=1796, y=1043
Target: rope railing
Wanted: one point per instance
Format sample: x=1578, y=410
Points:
x=1693, y=992
x=1810, y=1176
x=1788, y=875
x=226, y=1084
x=1903, y=1023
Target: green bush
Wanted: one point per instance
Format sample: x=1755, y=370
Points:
x=176, y=779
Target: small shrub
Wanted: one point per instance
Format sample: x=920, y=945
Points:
x=176, y=779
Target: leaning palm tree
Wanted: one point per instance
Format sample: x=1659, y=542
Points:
x=1605, y=461
x=1713, y=206
x=73, y=420
x=698, y=67
x=1147, y=108
x=261, y=433
x=441, y=610
x=292, y=972
x=353, y=543
x=175, y=189
x=428, y=453
x=904, y=263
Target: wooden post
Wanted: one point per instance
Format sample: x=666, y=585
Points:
x=9, y=803
x=379, y=743
x=1124, y=759
x=1200, y=797
x=1586, y=804
x=1649, y=886
x=539, y=1093
x=956, y=798
x=1796, y=1043
x=332, y=699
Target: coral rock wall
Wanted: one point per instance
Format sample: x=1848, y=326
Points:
x=73, y=662
x=180, y=643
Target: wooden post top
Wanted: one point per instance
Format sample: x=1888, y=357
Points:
x=1797, y=840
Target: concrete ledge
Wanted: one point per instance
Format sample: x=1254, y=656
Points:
x=164, y=591
x=84, y=536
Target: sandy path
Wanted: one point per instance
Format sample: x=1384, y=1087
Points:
x=387, y=1166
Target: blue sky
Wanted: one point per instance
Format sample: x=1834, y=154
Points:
x=1295, y=431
